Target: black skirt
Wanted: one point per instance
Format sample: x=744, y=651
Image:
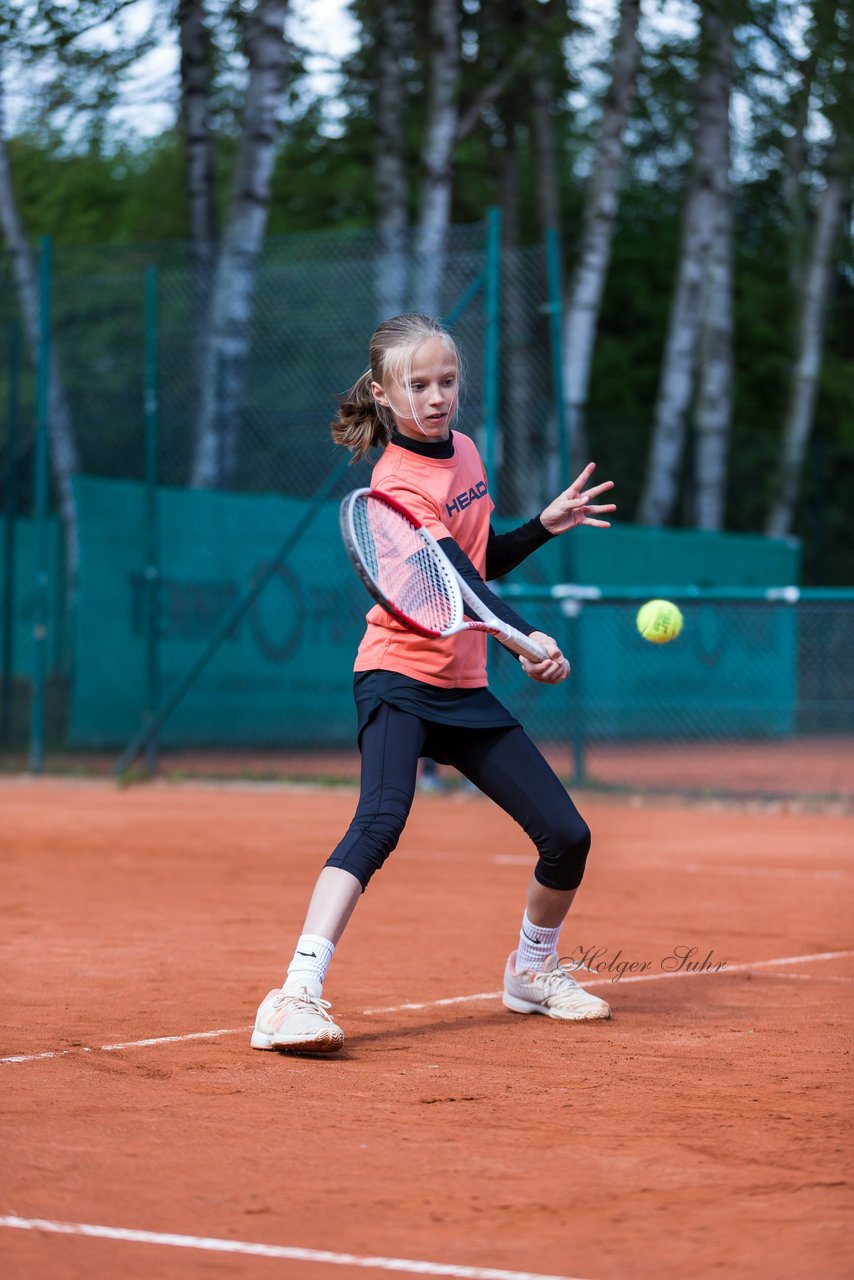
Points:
x=463, y=708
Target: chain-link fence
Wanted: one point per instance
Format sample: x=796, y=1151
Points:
x=197, y=560
x=755, y=697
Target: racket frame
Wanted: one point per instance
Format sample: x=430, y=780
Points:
x=460, y=590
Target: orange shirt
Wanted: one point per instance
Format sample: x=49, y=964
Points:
x=450, y=497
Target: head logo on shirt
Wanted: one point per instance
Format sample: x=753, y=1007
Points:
x=462, y=500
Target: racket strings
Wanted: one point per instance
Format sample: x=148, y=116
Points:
x=403, y=566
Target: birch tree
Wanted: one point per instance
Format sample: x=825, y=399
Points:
x=800, y=410
x=600, y=214
x=713, y=413
x=390, y=163
x=525, y=39
x=795, y=155
x=677, y=381
x=805, y=76
x=447, y=122
x=226, y=343
x=64, y=455
x=833, y=36
x=437, y=153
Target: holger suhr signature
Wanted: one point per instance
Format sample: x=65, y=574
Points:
x=681, y=959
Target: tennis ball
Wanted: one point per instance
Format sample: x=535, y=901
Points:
x=659, y=621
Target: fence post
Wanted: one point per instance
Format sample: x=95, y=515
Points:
x=10, y=503
x=572, y=610
x=40, y=511
x=152, y=530
x=492, y=338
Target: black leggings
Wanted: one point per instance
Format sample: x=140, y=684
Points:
x=503, y=763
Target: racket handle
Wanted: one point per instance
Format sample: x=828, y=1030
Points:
x=520, y=644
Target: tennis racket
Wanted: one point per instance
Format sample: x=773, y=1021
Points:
x=408, y=573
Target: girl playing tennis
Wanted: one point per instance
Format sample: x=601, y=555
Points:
x=425, y=697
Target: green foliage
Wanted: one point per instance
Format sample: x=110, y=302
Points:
x=89, y=197
x=324, y=181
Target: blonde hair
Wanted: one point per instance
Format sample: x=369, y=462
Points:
x=361, y=424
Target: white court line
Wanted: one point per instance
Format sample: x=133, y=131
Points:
x=699, y=868
x=714, y=868
x=430, y=1004
x=436, y=1004
x=214, y=1244
x=128, y=1044
x=811, y=977
x=637, y=977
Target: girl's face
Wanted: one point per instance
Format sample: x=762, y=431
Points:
x=425, y=405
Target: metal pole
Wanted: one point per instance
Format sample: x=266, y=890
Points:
x=462, y=302
x=40, y=505
x=492, y=339
x=555, y=310
x=10, y=502
x=572, y=610
x=152, y=531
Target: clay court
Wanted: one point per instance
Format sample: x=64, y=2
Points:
x=704, y=1131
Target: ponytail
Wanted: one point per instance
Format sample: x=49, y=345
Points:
x=358, y=425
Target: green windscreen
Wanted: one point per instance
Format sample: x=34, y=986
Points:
x=284, y=674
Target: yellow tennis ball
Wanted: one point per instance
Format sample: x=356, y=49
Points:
x=659, y=621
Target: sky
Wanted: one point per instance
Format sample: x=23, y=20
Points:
x=150, y=99
x=327, y=31
x=323, y=27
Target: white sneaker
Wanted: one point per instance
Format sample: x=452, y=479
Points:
x=553, y=992
x=296, y=1020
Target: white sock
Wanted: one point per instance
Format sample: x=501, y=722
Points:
x=536, y=944
x=310, y=962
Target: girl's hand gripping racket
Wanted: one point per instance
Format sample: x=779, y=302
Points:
x=408, y=573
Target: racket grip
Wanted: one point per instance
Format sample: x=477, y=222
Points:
x=520, y=644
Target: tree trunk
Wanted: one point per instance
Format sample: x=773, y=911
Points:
x=600, y=214
x=522, y=458
x=795, y=152
x=390, y=163
x=676, y=386
x=543, y=96
x=227, y=334
x=493, y=89
x=714, y=397
x=545, y=147
x=63, y=448
x=195, y=72
x=437, y=155
x=813, y=304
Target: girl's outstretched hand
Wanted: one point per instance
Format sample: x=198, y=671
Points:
x=555, y=667
x=572, y=507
